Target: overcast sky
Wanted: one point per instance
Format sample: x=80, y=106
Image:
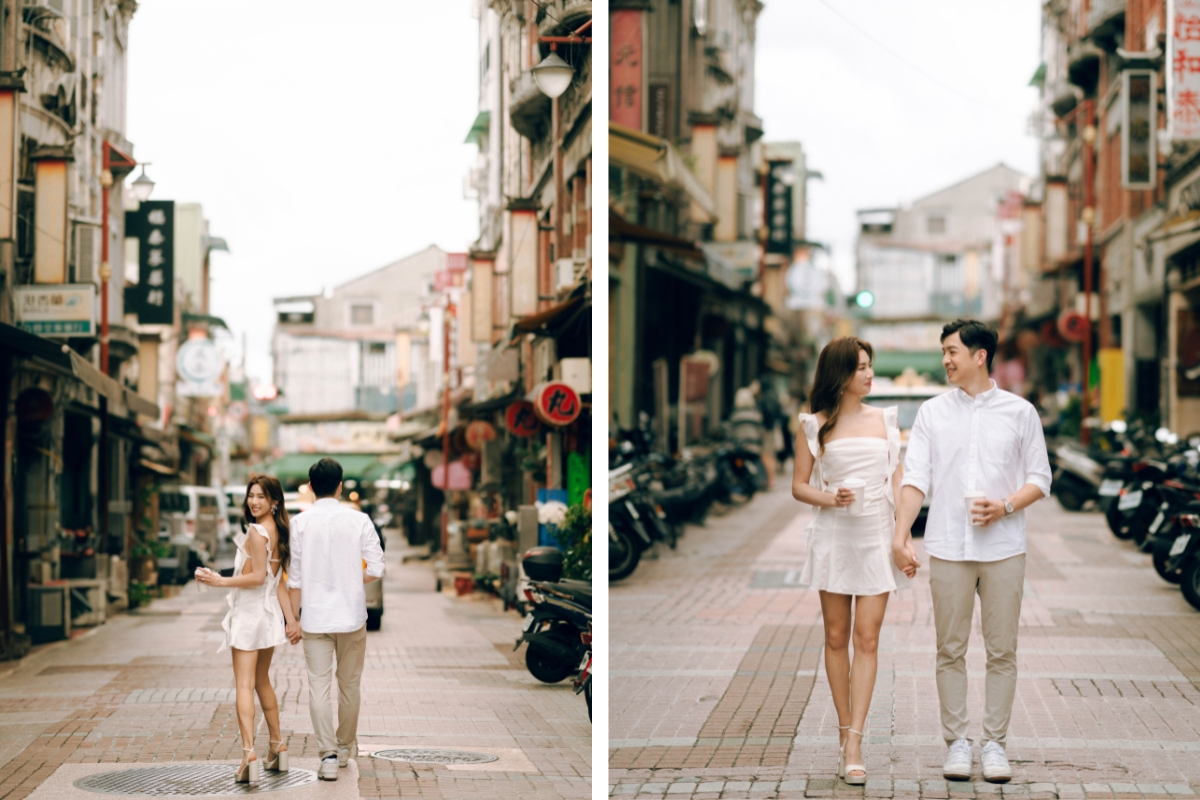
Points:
x=324, y=140
x=880, y=131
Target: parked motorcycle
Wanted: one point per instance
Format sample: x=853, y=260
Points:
x=561, y=611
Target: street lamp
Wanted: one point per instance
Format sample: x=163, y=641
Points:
x=143, y=186
x=553, y=76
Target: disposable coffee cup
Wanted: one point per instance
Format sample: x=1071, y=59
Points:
x=858, y=486
x=971, y=497
x=203, y=587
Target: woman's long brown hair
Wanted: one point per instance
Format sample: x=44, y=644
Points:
x=274, y=490
x=835, y=368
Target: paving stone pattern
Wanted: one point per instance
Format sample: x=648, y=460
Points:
x=718, y=687
x=440, y=674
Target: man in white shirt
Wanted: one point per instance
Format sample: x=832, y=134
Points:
x=329, y=543
x=978, y=440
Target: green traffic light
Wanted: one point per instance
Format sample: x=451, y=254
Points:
x=864, y=299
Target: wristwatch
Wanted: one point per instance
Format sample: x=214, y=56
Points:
x=1008, y=508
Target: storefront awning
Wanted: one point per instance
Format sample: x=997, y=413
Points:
x=656, y=159
x=294, y=466
x=891, y=363
x=531, y=324
x=479, y=127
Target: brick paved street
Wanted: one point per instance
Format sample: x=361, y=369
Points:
x=440, y=674
x=718, y=688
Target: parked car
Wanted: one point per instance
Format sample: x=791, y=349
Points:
x=908, y=399
x=205, y=518
x=234, y=515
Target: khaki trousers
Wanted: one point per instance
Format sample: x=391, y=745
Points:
x=319, y=652
x=1000, y=585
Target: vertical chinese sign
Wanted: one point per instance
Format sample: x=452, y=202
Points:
x=625, y=73
x=1139, y=102
x=154, y=297
x=780, y=179
x=1185, y=70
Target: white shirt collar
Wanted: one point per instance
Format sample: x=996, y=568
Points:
x=329, y=501
x=981, y=399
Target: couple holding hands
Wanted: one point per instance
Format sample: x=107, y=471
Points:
x=978, y=452
x=322, y=552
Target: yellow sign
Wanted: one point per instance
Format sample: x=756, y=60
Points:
x=1112, y=384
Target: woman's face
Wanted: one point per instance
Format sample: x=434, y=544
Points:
x=860, y=384
x=259, y=502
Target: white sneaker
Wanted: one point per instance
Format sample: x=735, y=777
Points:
x=995, y=764
x=344, y=753
x=329, y=769
x=959, y=761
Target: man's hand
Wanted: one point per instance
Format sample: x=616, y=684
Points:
x=293, y=631
x=905, y=555
x=985, y=512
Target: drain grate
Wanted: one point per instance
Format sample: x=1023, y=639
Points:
x=436, y=756
x=191, y=780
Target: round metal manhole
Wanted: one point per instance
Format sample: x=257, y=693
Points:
x=191, y=780
x=435, y=756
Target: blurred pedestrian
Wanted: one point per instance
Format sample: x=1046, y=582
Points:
x=772, y=413
x=747, y=424
x=259, y=611
x=330, y=545
x=979, y=454
x=848, y=469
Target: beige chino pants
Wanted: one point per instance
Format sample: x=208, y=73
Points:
x=1000, y=586
x=319, y=652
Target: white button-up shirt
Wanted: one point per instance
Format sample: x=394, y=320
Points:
x=992, y=443
x=329, y=542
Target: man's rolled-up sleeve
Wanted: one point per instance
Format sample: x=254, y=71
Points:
x=918, y=467
x=1035, y=460
x=296, y=545
x=372, y=552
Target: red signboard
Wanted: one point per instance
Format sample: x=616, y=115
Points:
x=456, y=262
x=1073, y=326
x=479, y=432
x=695, y=380
x=557, y=404
x=521, y=419
x=625, y=70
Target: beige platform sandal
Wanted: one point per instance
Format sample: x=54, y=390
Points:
x=277, y=760
x=249, y=771
x=853, y=780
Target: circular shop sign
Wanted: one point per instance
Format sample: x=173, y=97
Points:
x=478, y=432
x=521, y=419
x=557, y=404
x=1073, y=326
x=199, y=361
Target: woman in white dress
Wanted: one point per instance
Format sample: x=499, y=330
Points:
x=850, y=537
x=259, y=611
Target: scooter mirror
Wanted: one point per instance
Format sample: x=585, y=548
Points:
x=1162, y=434
x=1118, y=425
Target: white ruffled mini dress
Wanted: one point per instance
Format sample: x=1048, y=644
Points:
x=853, y=554
x=255, y=619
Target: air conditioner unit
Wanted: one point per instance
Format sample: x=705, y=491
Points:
x=87, y=247
x=564, y=273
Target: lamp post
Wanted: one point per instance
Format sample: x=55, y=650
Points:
x=450, y=310
x=553, y=76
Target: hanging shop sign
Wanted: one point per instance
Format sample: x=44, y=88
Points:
x=460, y=477
x=1139, y=107
x=1183, y=104
x=153, y=224
x=199, y=364
x=479, y=432
x=557, y=404
x=521, y=419
x=781, y=177
x=1073, y=326
x=63, y=310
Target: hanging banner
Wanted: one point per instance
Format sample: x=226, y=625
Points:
x=1184, y=74
x=153, y=225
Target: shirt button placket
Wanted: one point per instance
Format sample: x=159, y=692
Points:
x=972, y=471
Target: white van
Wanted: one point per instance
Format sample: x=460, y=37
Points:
x=205, y=518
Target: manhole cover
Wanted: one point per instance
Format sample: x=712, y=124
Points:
x=191, y=780
x=436, y=756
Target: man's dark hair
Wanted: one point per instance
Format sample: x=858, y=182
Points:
x=324, y=477
x=975, y=335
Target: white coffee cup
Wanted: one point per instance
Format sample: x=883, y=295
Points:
x=858, y=486
x=203, y=587
x=970, y=498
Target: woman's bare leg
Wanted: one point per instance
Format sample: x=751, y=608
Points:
x=244, y=664
x=835, y=610
x=266, y=696
x=868, y=620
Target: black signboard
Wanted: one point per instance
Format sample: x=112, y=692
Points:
x=780, y=179
x=153, y=225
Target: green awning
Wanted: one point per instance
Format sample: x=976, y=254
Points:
x=397, y=468
x=294, y=466
x=1039, y=77
x=890, y=363
x=479, y=127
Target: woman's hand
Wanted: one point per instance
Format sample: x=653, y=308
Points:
x=843, y=498
x=209, y=578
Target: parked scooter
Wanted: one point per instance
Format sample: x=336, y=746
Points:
x=561, y=611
